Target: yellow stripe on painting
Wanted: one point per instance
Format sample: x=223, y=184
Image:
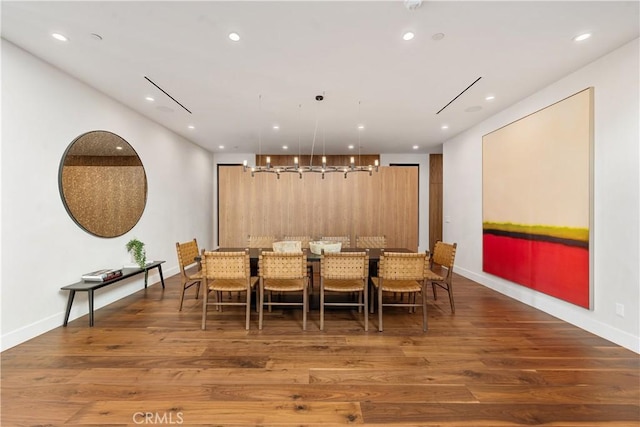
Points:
x=571, y=233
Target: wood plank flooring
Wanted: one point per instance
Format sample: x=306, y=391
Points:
x=496, y=362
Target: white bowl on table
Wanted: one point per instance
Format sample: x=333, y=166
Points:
x=328, y=247
x=287, y=246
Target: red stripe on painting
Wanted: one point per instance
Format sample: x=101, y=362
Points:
x=551, y=268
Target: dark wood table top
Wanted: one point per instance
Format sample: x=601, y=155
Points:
x=374, y=253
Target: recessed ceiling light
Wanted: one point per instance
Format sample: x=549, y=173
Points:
x=490, y=98
x=96, y=37
x=444, y=127
x=437, y=36
x=415, y=147
x=360, y=126
x=234, y=36
x=118, y=148
x=149, y=98
x=285, y=147
x=408, y=36
x=60, y=37
x=350, y=147
x=473, y=109
x=221, y=147
x=581, y=37
x=191, y=127
x=276, y=127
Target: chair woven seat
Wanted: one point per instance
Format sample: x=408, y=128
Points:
x=342, y=285
x=442, y=260
x=227, y=272
x=430, y=275
x=187, y=254
x=397, y=285
x=285, y=285
x=402, y=273
x=195, y=276
x=231, y=285
x=345, y=272
x=283, y=272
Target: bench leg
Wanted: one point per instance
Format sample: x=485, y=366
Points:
x=146, y=275
x=72, y=293
x=91, y=307
x=162, y=278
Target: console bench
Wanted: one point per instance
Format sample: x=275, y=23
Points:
x=92, y=286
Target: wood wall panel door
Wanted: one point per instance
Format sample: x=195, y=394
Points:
x=399, y=187
x=385, y=203
x=435, y=199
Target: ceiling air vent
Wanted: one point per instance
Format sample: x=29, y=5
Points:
x=458, y=95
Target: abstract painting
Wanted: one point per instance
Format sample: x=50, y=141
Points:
x=536, y=200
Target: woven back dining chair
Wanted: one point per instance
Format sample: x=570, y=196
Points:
x=190, y=274
x=440, y=272
x=345, y=240
x=345, y=272
x=226, y=272
x=263, y=242
x=402, y=273
x=371, y=242
x=304, y=243
x=283, y=272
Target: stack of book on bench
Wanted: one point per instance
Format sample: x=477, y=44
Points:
x=102, y=275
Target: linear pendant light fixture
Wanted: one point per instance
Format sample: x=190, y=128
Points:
x=301, y=169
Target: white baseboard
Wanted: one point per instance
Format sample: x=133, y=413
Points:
x=80, y=308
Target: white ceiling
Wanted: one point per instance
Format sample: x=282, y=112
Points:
x=291, y=51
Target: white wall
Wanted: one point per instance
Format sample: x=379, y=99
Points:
x=616, y=197
x=43, y=110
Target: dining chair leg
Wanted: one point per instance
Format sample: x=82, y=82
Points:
x=365, y=297
x=248, y=308
x=424, y=309
x=321, y=304
x=205, y=300
x=305, y=306
x=380, y=307
x=450, y=290
x=181, y=297
x=261, y=309
x=372, y=288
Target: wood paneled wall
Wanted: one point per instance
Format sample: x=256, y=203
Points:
x=385, y=203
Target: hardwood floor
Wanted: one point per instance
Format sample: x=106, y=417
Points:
x=496, y=362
